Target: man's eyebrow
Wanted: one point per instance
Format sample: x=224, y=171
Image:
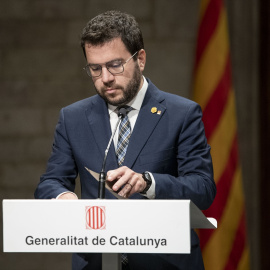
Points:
x=117, y=59
x=99, y=64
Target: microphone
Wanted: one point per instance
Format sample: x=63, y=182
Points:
x=122, y=112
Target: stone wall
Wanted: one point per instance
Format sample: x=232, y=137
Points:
x=41, y=71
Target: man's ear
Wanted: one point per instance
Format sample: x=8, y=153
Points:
x=141, y=59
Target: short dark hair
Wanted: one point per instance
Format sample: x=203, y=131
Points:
x=110, y=25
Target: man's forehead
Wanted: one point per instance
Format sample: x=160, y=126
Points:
x=108, y=51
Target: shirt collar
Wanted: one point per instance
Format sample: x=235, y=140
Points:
x=137, y=101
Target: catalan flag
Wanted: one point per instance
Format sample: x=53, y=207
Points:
x=225, y=248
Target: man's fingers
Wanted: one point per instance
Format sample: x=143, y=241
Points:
x=128, y=181
x=125, y=191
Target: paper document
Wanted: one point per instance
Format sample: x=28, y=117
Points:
x=108, y=184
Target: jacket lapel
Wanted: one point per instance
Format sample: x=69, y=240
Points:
x=150, y=114
x=98, y=119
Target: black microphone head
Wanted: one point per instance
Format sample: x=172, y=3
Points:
x=122, y=112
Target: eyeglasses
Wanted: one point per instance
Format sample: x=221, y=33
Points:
x=114, y=67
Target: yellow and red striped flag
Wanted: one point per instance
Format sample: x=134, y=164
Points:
x=225, y=248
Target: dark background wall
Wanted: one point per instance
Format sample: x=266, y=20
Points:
x=41, y=71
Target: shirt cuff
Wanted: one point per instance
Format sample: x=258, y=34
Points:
x=65, y=193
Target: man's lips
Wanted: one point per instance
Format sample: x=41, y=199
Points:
x=111, y=90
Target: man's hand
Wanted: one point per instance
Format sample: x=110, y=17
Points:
x=130, y=181
x=67, y=196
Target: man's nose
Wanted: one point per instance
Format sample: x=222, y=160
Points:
x=106, y=75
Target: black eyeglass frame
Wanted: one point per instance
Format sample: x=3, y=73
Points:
x=88, y=66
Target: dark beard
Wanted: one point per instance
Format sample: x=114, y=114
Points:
x=129, y=93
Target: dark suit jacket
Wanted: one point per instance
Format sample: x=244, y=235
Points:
x=170, y=144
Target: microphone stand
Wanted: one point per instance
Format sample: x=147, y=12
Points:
x=102, y=175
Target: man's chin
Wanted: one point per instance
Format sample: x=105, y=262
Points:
x=116, y=102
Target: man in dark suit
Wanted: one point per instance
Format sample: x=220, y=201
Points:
x=167, y=155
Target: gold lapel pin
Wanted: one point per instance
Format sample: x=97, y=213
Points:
x=154, y=110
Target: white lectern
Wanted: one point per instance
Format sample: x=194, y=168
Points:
x=101, y=226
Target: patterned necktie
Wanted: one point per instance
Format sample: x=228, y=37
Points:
x=123, y=139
